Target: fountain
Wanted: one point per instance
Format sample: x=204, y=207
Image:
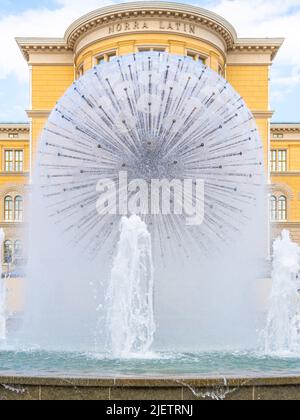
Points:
x=166, y=139
x=130, y=295
x=2, y=292
x=149, y=232
x=282, y=334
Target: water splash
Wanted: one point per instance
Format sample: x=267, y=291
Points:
x=282, y=334
x=130, y=296
x=2, y=292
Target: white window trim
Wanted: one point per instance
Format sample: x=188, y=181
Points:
x=203, y=56
x=152, y=47
x=104, y=54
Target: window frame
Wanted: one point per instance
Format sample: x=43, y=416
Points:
x=8, y=165
x=12, y=167
x=80, y=71
x=11, y=251
x=13, y=135
x=106, y=56
x=19, y=163
x=273, y=162
x=279, y=165
x=282, y=164
x=18, y=208
x=282, y=212
x=197, y=56
x=160, y=48
x=8, y=209
x=273, y=209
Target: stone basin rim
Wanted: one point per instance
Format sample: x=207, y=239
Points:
x=150, y=382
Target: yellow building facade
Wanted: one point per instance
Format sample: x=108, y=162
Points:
x=285, y=176
x=107, y=33
x=14, y=180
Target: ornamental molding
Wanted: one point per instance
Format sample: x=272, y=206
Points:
x=128, y=18
x=286, y=174
x=42, y=45
x=285, y=128
x=263, y=114
x=284, y=224
x=38, y=113
x=15, y=128
x=282, y=189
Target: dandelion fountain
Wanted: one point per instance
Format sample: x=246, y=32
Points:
x=127, y=276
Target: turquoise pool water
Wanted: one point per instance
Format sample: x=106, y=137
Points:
x=41, y=363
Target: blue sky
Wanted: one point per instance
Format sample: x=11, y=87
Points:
x=255, y=18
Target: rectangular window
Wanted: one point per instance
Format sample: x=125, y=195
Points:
x=159, y=49
x=282, y=209
x=13, y=136
x=273, y=208
x=195, y=56
x=111, y=56
x=282, y=160
x=14, y=160
x=100, y=59
x=277, y=136
x=9, y=160
x=106, y=57
x=19, y=158
x=273, y=160
x=149, y=49
x=192, y=55
x=80, y=72
x=8, y=209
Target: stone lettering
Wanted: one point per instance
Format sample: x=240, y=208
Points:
x=192, y=29
x=159, y=25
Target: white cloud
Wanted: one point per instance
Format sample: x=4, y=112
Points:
x=269, y=18
x=41, y=22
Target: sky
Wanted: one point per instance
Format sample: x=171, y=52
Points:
x=251, y=18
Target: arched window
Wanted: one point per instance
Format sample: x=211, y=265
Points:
x=8, y=208
x=282, y=208
x=18, y=208
x=8, y=252
x=18, y=249
x=273, y=208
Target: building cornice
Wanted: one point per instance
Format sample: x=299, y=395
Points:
x=100, y=18
x=286, y=174
x=282, y=127
x=258, y=45
x=285, y=224
x=263, y=114
x=7, y=128
x=143, y=10
x=38, y=113
x=44, y=45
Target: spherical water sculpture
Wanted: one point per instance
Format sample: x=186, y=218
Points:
x=153, y=116
x=117, y=139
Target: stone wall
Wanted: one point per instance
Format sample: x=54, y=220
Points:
x=181, y=389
